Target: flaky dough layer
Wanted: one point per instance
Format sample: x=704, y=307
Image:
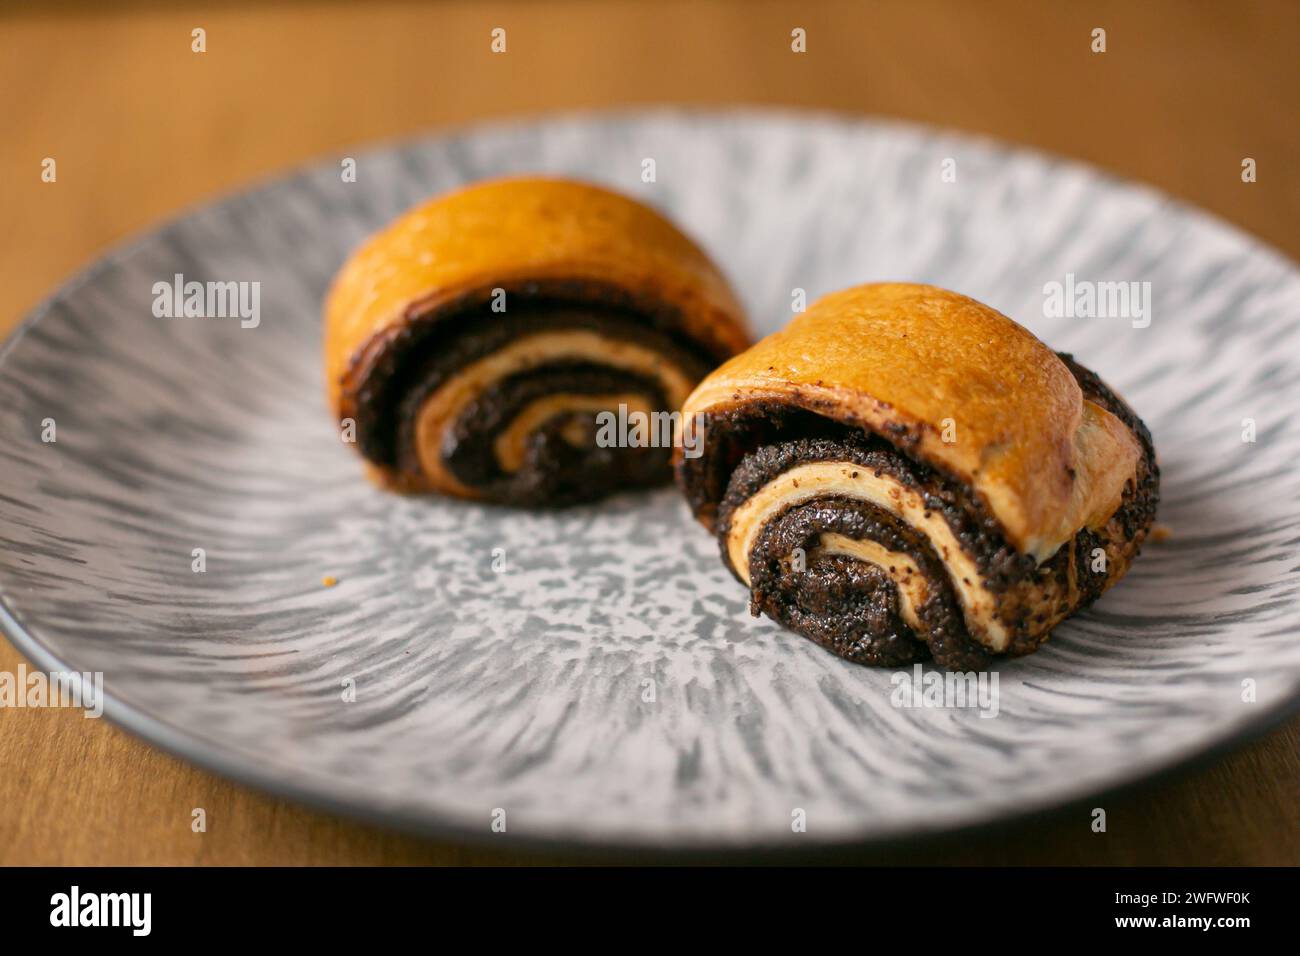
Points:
x=956, y=385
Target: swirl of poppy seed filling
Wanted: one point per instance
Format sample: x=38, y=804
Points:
x=882, y=560
x=506, y=406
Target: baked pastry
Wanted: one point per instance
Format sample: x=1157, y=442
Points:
x=472, y=343
x=905, y=473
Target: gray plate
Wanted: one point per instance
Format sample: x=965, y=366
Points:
x=527, y=690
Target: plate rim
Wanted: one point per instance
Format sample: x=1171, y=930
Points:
x=181, y=744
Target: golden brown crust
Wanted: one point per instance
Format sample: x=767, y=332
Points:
x=916, y=364
x=508, y=233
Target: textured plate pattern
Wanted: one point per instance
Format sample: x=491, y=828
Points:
x=527, y=689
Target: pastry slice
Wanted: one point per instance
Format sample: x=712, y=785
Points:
x=905, y=473
x=472, y=346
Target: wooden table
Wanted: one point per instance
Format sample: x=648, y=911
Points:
x=141, y=126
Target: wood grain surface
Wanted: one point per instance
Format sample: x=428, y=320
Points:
x=141, y=127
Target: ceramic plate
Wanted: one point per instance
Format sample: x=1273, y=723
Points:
x=600, y=683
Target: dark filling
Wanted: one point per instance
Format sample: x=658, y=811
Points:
x=978, y=532
x=564, y=462
x=851, y=607
x=390, y=368
x=556, y=469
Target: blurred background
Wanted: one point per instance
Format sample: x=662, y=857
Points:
x=142, y=127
